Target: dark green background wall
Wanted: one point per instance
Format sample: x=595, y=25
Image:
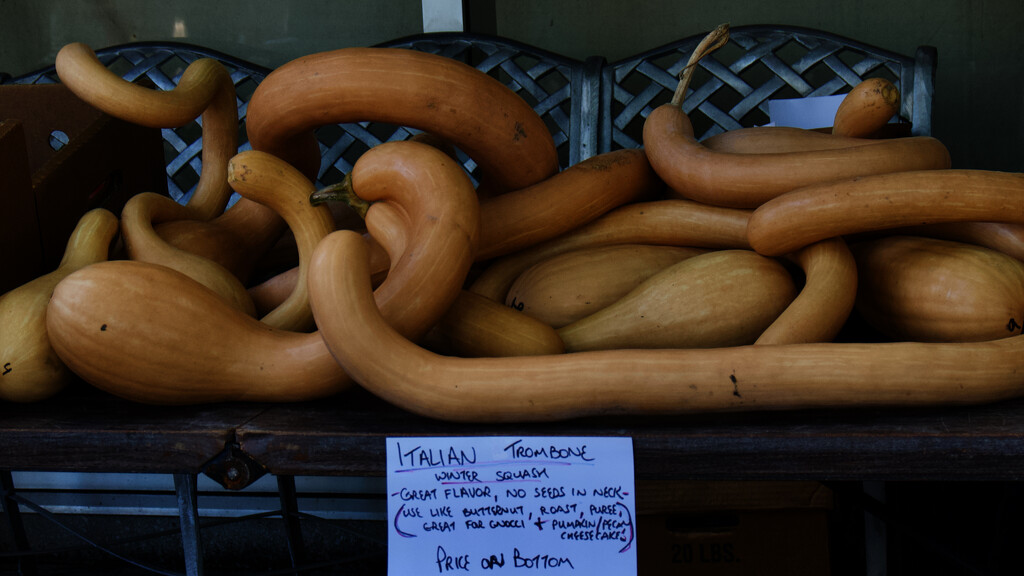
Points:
x=979, y=89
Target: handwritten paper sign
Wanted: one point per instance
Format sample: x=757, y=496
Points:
x=492, y=505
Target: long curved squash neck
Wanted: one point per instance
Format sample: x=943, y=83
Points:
x=673, y=120
x=90, y=241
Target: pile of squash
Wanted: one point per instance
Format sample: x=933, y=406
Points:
x=686, y=276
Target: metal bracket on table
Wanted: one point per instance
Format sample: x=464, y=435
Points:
x=233, y=468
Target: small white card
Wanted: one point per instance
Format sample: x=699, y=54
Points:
x=810, y=113
x=501, y=504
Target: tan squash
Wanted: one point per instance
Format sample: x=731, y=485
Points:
x=271, y=292
x=823, y=306
x=428, y=202
x=357, y=85
x=1005, y=237
x=278, y=267
x=443, y=96
x=721, y=298
x=570, y=286
x=522, y=218
x=694, y=171
x=930, y=290
x=150, y=334
x=672, y=222
x=237, y=240
x=477, y=327
x=204, y=90
x=640, y=382
x=30, y=370
x=234, y=239
x=208, y=239
x=778, y=139
x=140, y=215
x=565, y=201
x=866, y=108
x=270, y=181
x=884, y=202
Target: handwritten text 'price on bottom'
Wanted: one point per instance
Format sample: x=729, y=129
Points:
x=480, y=505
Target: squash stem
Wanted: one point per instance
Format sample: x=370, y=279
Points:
x=713, y=41
x=341, y=192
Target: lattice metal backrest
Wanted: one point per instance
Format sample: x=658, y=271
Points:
x=590, y=107
x=731, y=87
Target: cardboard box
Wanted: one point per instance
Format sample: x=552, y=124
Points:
x=60, y=157
x=735, y=529
x=20, y=246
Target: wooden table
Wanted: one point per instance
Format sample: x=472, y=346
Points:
x=89, y=431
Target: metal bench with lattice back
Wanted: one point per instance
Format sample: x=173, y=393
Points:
x=590, y=106
x=732, y=87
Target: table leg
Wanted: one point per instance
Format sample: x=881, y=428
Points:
x=289, y=511
x=26, y=565
x=876, y=552
x=188, y=512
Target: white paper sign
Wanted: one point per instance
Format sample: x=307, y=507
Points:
x=494, y=505
x=810, y=113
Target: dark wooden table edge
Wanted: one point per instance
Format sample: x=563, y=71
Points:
x=346, y=436
x=85, y=430
x=936, y=443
